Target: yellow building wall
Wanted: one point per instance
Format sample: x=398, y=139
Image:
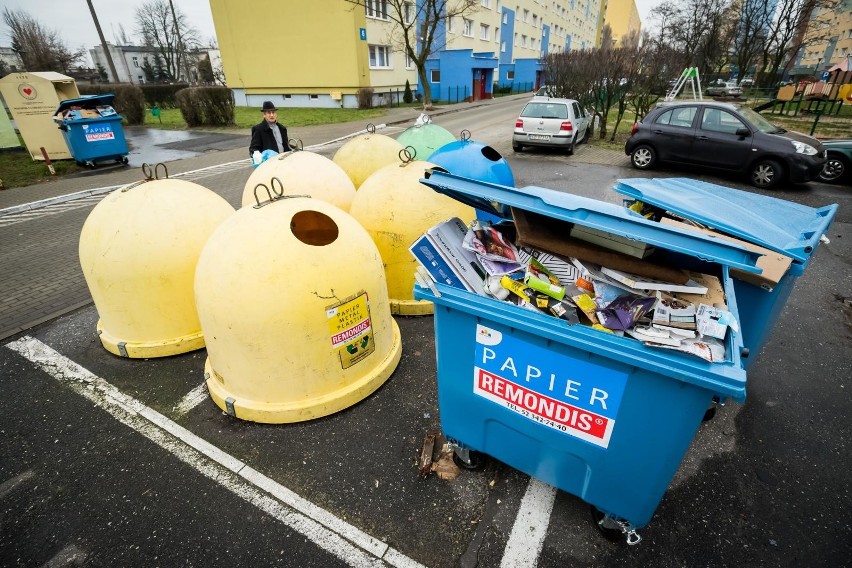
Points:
x=838, y=22
x=623, y=19
x=263, y=51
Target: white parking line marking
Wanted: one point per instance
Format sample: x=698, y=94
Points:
x=530, y=528
x=330, y=533
x=192, y=399
x=11, y=484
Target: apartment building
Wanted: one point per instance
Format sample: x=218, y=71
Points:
x=130, y=62
x=622, y=16
x=323, y=52
x=828, y=40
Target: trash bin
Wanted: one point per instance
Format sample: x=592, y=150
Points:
x=92, y=129
x=599, y=416
x=778, y=225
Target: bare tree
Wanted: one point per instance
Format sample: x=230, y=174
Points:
x=39, y=48
x=753, y=24
x=793, y=28
x=416, y=27
x=168, y=33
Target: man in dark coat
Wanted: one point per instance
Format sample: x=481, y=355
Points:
x=268, y=135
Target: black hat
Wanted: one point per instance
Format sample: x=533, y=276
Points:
x=267, y=105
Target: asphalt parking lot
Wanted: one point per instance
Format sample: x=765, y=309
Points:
x=117, y=462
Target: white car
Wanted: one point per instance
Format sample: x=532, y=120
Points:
x=726, y=89
x=551, y=122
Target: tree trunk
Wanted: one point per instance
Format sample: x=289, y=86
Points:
x=427, y=88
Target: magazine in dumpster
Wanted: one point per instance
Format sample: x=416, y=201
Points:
x=578, y=290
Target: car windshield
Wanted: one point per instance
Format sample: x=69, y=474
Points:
x=759, y=122
x=545, y=110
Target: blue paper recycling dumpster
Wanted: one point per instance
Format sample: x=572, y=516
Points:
x=781, y=226
x=602, y=417
x=92, y=129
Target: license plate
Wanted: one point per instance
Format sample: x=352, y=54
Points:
x=539, y=137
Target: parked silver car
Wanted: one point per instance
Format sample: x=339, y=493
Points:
x=724, y=89
x=551, y=122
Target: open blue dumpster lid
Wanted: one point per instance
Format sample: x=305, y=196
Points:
x=782, y=226
x=595, y=214
x=87, y=101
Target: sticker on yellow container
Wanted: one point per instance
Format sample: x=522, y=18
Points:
x=351, y=329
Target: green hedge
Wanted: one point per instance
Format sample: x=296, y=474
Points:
x=206, y=106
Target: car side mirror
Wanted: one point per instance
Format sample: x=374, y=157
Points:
x=743, y=132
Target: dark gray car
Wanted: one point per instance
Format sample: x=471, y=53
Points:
x=724, y=136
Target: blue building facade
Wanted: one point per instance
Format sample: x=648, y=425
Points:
x=468, y=75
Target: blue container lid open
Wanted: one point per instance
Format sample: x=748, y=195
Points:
x=595, y=214
x=782, y=226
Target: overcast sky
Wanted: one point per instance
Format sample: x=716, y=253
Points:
x=74, y=22
x=72, y=19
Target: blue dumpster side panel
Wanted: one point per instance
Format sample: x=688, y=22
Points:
x=656, y=421
x=96, y=138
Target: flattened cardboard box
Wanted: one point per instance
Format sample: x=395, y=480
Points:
x=774, y=265
x=551, y=235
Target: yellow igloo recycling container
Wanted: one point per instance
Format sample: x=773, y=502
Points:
x=303, y=173
x=364, y=154
x=294, y=306
x=396, y=209
x=138, y=251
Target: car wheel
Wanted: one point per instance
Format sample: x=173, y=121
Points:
x=517, y=147
x=571, y=147
x=643, y=157
x=766, y=174
x=834, y=169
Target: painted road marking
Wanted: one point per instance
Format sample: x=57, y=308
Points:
x=530, y=528
x=192, y=399
x=327, y=531
x=51, y=209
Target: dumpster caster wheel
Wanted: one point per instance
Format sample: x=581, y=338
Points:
x=614, y=530
x=474, y=460
x=123, y=160
x=709, y=414
x=90, y=164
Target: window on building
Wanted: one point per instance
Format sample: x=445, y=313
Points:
x=526, y=15
x=467, y=27
x=139, y=78
x=379, y=57
x=314, y=97
x=486, y=3
x=409, y=63
x=510, y=75
x=408, y=12
x=496, y=34
x=532, y=42
x=535, y=21
x=435, y=76
x=502, y=47
x=483, y=31
x=515, y=41
x=135, y=61
x=523, y=41
x=451, y=24
x=505, y=17
x=377, y=9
